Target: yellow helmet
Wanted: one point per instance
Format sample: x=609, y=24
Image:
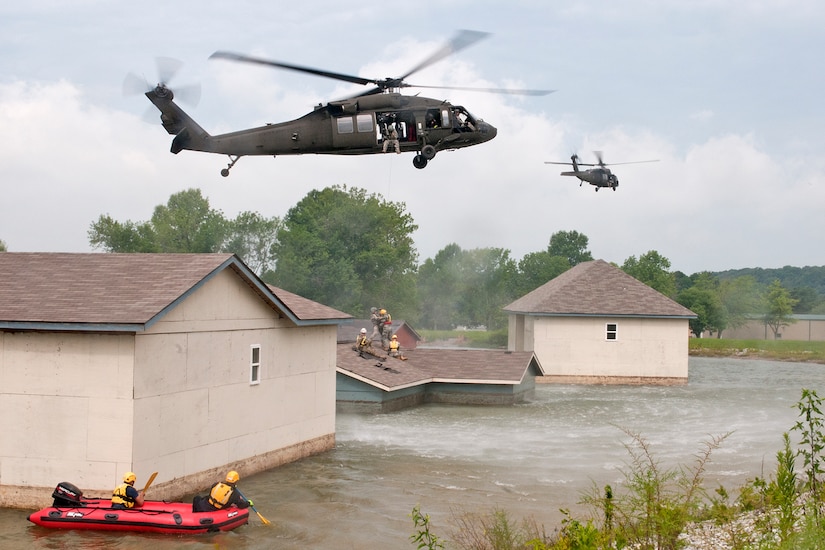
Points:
x=394, y=337
x=129, y=477
x=232, y=477
x=383, y=311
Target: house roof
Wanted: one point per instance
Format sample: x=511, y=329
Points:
x=306, y=309
x=126, y=292
x=423, y=365
x=597, y=288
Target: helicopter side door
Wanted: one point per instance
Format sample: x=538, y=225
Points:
x=402, y=121
x=354, y=131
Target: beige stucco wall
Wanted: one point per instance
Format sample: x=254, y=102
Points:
x=175, y=399
x=577, y=346
x=195, y=408
x=66, y=405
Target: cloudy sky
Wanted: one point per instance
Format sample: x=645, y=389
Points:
x=727, y=94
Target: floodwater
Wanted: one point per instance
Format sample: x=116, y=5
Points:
x=529, y=460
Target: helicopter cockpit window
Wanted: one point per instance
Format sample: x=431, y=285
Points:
x=345, y=125
x=463, y=121
x=364, y=123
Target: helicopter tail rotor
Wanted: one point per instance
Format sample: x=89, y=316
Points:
x=167, y=69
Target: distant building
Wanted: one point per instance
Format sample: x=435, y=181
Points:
x=596, y=324
x=808, y=328
x=184, y=364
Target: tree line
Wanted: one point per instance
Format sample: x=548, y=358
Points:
x=351, y=250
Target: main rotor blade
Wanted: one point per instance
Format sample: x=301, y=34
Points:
x=299, y=68
x=568, y=163
x=511, y=91
x=460, y=41
x=633, y=162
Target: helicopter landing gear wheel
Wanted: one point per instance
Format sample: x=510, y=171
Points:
x=419, y=162
x=428, y=152
x=225, y=171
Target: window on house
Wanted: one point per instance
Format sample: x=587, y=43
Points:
x=611, y=331
x=255, y=365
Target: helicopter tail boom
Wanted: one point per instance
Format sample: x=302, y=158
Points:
x=188, y=133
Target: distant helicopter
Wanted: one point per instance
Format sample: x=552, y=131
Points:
x=357, y=125
x=601, y=176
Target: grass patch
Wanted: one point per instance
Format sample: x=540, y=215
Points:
x=778, y=350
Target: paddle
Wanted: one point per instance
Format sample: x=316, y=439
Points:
x=263, y=519
x=149, y=482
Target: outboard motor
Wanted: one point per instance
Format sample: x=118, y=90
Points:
x=66, y=495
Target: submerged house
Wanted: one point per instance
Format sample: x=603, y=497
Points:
x=433, y=375
x=184, y=364
x=596, y=324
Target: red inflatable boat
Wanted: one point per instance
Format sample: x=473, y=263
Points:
x=71, y=511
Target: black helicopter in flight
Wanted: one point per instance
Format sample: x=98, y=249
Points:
x=601, y=176
x=363, y=124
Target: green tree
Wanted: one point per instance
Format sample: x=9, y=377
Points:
x=741, y=298
x=488, y=276
x=3, y=246
x=349, y=250
x=570, y=245
x=652, y=269
x=536, y=268
x=439, y=288
x=806, y=298
x=185, y=224
x=253, y=237
x=114, y=236
x=780, y=308
x=705, y=303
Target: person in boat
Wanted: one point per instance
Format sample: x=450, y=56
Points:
x=125, y=495
x=222, y=495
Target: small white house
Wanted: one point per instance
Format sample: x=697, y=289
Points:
x=184, y=364
x=596, y=324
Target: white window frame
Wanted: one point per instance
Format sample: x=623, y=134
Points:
x=254, y=364
x=611, y=332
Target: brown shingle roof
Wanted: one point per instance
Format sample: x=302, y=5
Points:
x=306, y=309
x=597, y=288
x=437, y=365
x=107, y=289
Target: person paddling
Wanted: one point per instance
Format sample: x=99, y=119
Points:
x=222, y=495
x=125, y=495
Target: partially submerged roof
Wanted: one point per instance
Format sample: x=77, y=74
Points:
x=424, y=365
x=597, y=288
x=123, y=292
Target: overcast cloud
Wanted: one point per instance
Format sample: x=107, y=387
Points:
x=727, y=95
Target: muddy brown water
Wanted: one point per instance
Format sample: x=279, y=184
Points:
x=529, y=460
